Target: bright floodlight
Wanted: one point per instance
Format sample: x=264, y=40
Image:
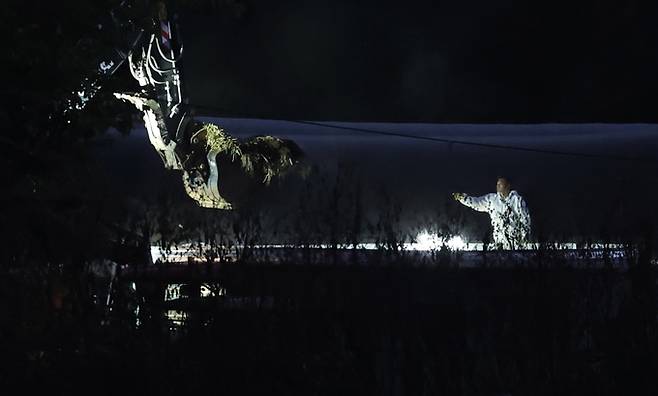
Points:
x=427, y=241
x=456, y=243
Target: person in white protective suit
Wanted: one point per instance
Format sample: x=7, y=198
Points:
x=509, y=214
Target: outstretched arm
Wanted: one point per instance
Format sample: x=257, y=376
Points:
x=481, y=204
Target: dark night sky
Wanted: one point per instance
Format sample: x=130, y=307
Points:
x=430, y=61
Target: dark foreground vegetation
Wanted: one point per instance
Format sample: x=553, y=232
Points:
x=391, y=330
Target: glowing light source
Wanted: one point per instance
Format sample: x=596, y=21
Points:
x=428, y=241
x=456, y=243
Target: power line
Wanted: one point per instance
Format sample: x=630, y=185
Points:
x=444, y=140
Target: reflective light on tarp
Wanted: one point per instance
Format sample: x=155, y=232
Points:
x=424, y=242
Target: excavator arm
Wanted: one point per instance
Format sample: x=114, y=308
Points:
x=153, y=56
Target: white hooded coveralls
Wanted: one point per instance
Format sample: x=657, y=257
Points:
x=510, y=218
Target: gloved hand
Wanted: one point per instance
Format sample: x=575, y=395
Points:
x=458, y=196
